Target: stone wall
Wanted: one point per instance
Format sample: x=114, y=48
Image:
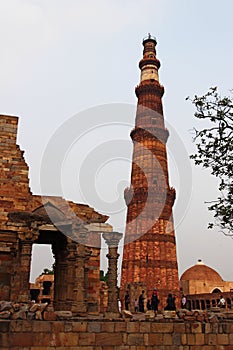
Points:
x=110, y=335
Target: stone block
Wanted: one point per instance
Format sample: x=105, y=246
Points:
x=162, y=327
x=94, y=327
x=231, y=338
x=199, y=339
x=222, y=339
x=141, y=347
x=86, y=339
x=155, y=339
x=169, y=314
x=44, y=326
x=214, y=328
x=58, y=326
x=144, y=327
x=79, y=326
x=136, y=339
x=183, y=339
x=191, y=339
x=167, y=339
x=210, y=339
x=120, y=327
x=196, y=327
x=104, y=339
x=49, y=316
x=4, y=340
x=68, y=339
x=43, y=339
x=107, y=327
x=227, y=327
x=176, y=339
x=207, y=328
x=21, y=339
x=179, y=327
x=132, y=327
x=68, y=327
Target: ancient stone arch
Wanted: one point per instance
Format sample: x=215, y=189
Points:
x=71, y=256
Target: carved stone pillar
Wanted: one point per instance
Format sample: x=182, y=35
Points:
x=70, y=273
x=60, y=286
x=21, y=291
x=79, y=305
x=112, y=239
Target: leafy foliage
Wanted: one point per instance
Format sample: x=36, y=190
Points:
x=215, y=151
x=47, y=271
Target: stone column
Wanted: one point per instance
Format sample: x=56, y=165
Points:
x=21, y=290
x=70, y=272
x=24, y=271
x=112, y=239
x=79, y=305
x=60, y=286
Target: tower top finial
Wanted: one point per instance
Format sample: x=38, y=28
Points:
x=150, y=37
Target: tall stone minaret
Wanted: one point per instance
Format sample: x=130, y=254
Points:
x=149, y=256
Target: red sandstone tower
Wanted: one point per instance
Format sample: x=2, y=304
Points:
x=149, y=257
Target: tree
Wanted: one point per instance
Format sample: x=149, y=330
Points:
x=47, y=271
x=215, y=151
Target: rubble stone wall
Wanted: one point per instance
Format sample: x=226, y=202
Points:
x=110, y=335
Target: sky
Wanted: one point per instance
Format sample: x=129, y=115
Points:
x=68, y=70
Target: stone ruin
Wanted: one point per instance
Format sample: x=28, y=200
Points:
x=73, y=230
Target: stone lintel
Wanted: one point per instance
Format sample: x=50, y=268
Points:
x=56, y=226
x=47, y=227
x=99, y=227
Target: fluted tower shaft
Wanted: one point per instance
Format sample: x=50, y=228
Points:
x=149, y=253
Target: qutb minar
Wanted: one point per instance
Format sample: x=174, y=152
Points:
x=149, y=257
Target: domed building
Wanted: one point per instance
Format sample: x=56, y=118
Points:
x=203, y=286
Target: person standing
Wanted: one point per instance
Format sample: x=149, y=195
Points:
x=127, y=300
x=141, y=301
x=148, y=304
x=155, y=301
x=171, y=304
x=136, y=305
x=183, y=302
x=222, y=302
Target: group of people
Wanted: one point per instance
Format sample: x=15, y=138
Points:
x=152, y=302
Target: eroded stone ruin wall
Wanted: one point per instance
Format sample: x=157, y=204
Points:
x=119, y=335
x=25, y=219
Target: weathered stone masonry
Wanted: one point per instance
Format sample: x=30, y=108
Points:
x=118, y=335
x=73, y=230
